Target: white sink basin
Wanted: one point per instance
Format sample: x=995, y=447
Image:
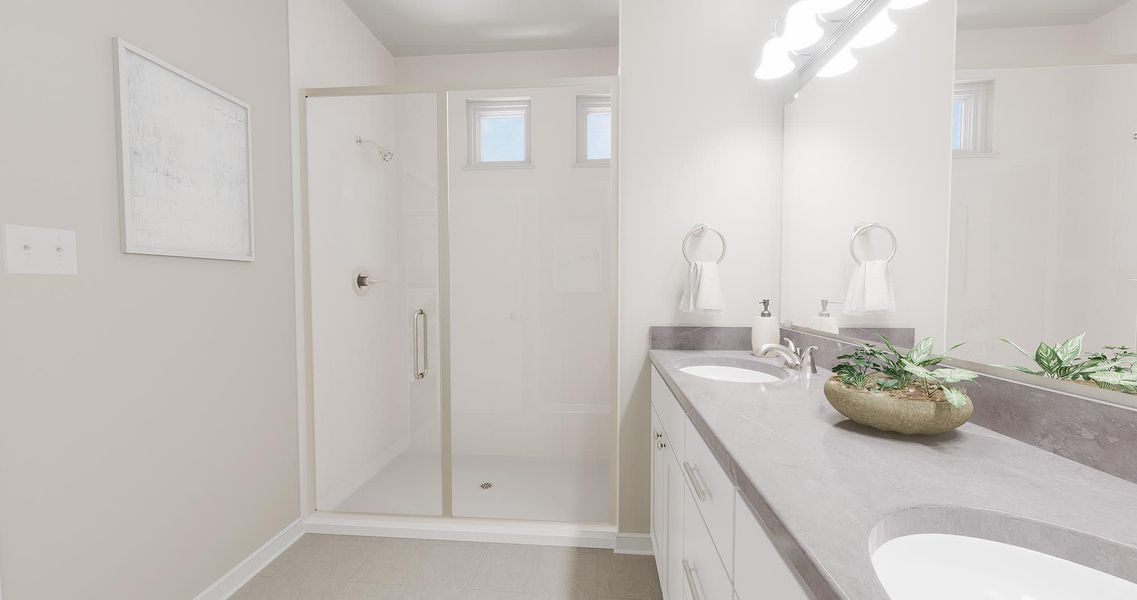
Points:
x=734, y=374
x=934, y=566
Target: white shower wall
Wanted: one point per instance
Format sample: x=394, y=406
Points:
x=361, y=416
x=532, y=301
x=369, y=410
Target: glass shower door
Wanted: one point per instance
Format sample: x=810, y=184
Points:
x=373, y=218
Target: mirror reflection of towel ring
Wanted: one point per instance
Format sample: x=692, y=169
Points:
x=699, y=231
x=865, y=229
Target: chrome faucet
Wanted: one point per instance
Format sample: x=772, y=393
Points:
x=799, y=359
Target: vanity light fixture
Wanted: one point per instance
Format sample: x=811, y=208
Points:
x=841, y=63
x=805, y=27
x=880, y=28
x=903, y=4
x=822, y=7
x=776, y=61
x=800, y=28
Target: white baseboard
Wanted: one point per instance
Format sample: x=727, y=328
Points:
x=579, y=535
x=241, y=574
x=634, y=543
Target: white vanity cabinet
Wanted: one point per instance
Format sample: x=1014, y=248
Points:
x=708, y=545
x=763, y=573
x=667, y=491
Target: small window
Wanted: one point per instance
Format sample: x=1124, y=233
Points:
x=594, y=130
x=498, y=133
x=971, y=118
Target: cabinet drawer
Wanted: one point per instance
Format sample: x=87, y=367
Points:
x=760, y=573
x=671, y=415
x=713, y=493
x=704, y=577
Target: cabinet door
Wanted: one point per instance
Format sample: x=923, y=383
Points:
x=659, y=498
x=760, y=573
x=676, y=490
x=704, y=576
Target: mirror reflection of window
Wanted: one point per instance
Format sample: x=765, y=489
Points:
x=1042, y=246
x=957, y=109
x=972, y=108
x=593, y=130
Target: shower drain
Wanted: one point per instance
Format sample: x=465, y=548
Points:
x=487, y=485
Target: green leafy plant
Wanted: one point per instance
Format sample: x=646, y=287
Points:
x=1115, y=367
x=887, y=369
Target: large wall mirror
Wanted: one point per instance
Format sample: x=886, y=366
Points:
x=996, y=141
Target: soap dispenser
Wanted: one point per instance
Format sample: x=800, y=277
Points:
x=825, y=321
x=766, y=329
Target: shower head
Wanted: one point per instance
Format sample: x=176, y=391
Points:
x=385, y=153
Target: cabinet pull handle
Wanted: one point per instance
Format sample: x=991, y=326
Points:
x=701, y=491
x=692, y=584
x=420, y=349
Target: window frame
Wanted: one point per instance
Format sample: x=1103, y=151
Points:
x=586, y=105
x=978, y=106
x=501, y=107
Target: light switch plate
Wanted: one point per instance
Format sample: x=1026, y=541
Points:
x=40, y=251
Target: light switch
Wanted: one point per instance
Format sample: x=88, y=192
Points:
x=40, y=251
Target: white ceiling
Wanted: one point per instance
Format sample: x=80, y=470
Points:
x=420, y=27
x=987, y=14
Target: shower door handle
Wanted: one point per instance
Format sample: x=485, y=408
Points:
x=419, y=336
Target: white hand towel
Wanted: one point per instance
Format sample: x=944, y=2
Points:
x=704, y=288
x=870, y=289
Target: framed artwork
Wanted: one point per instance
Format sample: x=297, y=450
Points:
x=185, y=151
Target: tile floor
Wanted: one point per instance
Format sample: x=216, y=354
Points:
x=330, y=567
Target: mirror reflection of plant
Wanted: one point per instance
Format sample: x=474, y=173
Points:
x=1115, y=367
x=890, y=370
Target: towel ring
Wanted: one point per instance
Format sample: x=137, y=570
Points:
x=865, y=229
x=699, y=231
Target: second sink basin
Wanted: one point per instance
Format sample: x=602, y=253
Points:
x=953, y=567
x=736, y=370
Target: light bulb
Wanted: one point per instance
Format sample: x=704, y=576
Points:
x=903, y=4
x=776, y=61
x=822, y=7
x=801, y=27
x=880, y=28
x=839, y=64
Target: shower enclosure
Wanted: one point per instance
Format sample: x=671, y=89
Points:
x=461, y=276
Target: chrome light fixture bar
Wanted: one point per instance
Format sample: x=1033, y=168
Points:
x=796, y=45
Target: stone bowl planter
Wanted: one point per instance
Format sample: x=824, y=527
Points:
x=896, y=412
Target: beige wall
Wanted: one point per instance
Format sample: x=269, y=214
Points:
x=506, y=67
x=147, y=405
x=700, y=142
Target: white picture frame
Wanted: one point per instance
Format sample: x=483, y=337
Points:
x=185, y=162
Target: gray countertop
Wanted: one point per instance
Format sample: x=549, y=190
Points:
x=830, y=491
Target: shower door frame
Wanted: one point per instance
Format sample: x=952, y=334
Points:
x=446, y=525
